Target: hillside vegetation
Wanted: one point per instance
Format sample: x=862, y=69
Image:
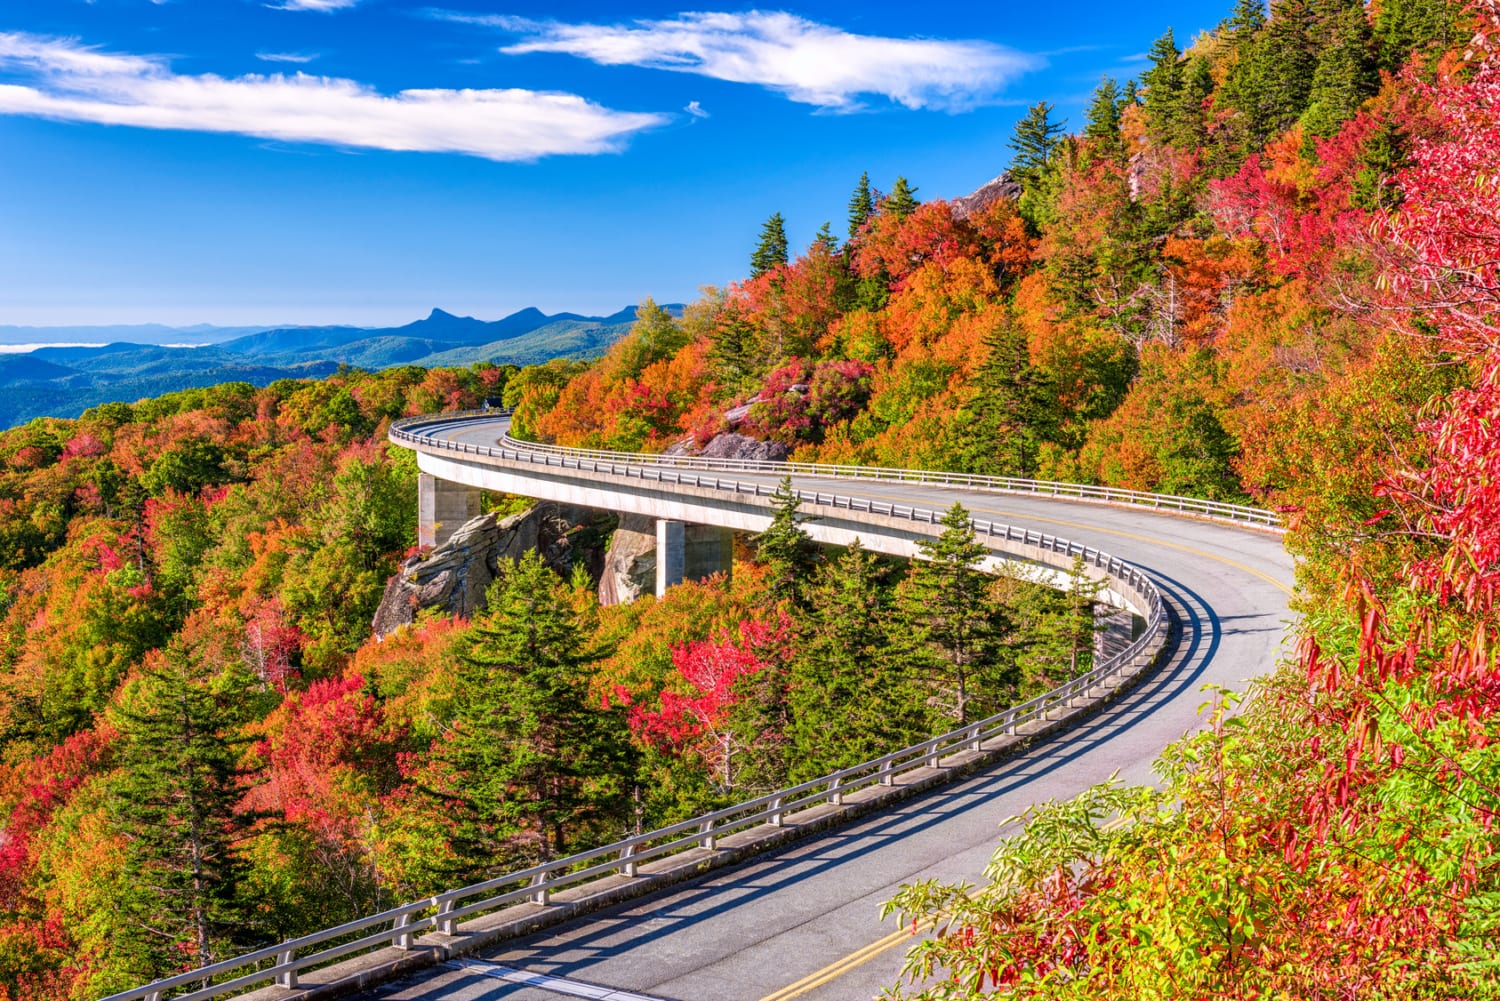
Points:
x=1266, y=271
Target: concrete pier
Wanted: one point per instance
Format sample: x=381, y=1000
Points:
x=442, y=508
x=690, y=552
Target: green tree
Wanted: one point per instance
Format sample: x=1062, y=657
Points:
x=1163, y=83
x=530, y=761
x=902, y=201
x=949, y=628
x=1102, y=120
x=1405, y=26
x=770, y=253
x=843, y=680
x=1249, y=17
x=861, y=205
x=1013, y=411
x=174, y=801
x=1034, y=139
x=1268, y=85
x=1346, y=72
x=1057, y=643
x=787, y=552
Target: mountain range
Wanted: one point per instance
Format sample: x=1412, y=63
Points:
x=81, y=367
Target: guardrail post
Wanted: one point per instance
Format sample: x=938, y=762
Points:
x=932, y=758
x=887, y=774
x=541, y=896
x=776, y=814
x=627, y=860
x=403, y=938
x=708, y=840
x=286, y=978
x=973, y=738
x=445, y=922
x=836, y=792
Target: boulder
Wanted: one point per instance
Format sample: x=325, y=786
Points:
x=730, y=445
x=630, y=563
x=455, y=576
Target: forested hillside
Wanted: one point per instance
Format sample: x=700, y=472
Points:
x=1264, y=271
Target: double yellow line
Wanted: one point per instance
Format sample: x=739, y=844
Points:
x=860, y=957
x=835, y=970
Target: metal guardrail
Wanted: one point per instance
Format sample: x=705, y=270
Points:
x=1239, y=514
x=399, y=926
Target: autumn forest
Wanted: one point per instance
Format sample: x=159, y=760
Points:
x=1265, y=272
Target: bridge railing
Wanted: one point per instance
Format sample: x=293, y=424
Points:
x=1239, y=514
x=399, y=927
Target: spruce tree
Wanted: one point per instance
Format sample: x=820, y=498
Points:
x=1014, y=410
x=948, y=628
x=1346, y=72
x=174, y=801
x=902, y=201
x=530, y=760
x=1163, y=83
x=1034, y=139
x=1249, y=17
x=788, y=553
x=1405, y=26
x=861, y=205
x=824, y=239
x=1057, y=643
x=770, y=253
x=849, y=698
x=1102, y=124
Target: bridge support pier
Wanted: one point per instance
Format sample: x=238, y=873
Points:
x=442, y=508
x=1114, y=628
x=690, y=552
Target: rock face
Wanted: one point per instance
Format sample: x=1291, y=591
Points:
x=630, y=564
x=987, y=194
x=455, y=575
x=737, y=446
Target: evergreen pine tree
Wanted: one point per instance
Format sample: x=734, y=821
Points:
x=174, y=803
x=1249, y=17
x=787, y=552
x=1034, y=139
x=1268, y=84
x=849, y=698
x=948, y=628
x=1405, y=26
x=902, y=200
x=770, y=253
x=530, y=760
x=1163, y=83
x=825, y=240
x=1103, y=116
x=861, y=205
x=1014, y=411
x=1058, y=641
x=1346, y=71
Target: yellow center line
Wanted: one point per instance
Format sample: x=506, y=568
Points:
x=860, y=957
x=1124, y=535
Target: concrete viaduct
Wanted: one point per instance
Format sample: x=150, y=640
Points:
x=744, y=904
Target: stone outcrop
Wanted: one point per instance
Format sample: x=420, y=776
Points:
x=630, y=563
x=1002, y=187
x=454, y=576
x=730, y=445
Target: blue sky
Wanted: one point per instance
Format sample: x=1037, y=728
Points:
x=361, y=161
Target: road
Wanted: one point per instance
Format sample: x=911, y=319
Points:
x=804, y=921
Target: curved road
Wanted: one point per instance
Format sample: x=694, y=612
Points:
x=804, y=921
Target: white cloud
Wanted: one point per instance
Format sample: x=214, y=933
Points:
x=696, y=110
x=324, y=6
x=71, y=82
x=810, y=63
x=286, y=57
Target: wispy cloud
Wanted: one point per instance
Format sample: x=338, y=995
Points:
x=286, y=57
x=324, y=6
x=810, y=63
x=67, y=81
x=696, y=110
